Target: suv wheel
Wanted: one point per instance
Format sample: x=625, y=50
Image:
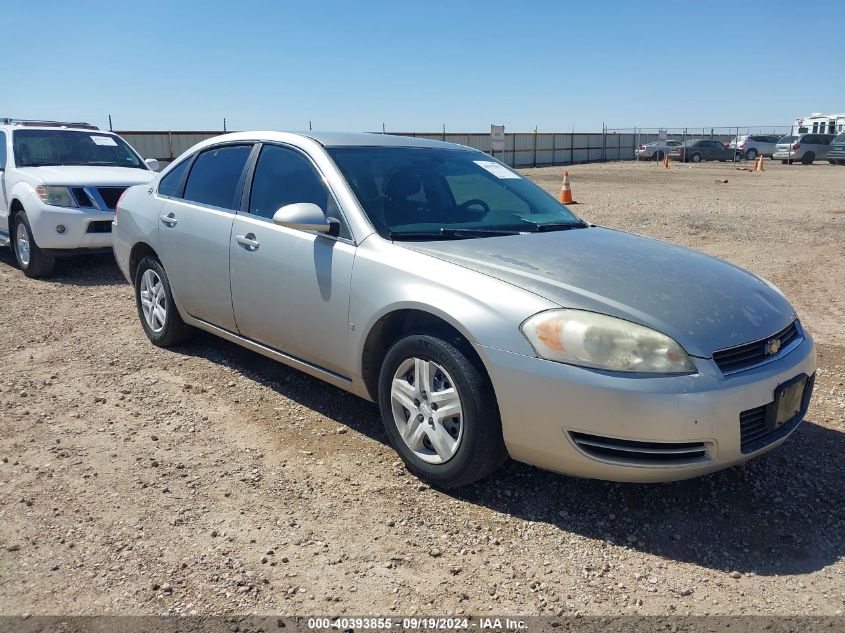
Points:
x=751, y=154
x=808, y=158
x=696, y=158
x=440, y=412
x=159, y=316
x=31, y=259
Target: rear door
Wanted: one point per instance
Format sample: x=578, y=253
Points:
x=194, y=230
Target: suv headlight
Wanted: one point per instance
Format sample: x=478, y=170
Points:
x=589, y=339
x=56, y=196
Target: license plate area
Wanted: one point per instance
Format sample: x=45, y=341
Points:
x=788, y=402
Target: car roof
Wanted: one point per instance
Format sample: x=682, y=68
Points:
x=338, y=139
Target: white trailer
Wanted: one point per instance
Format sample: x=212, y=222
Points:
x=818, y=123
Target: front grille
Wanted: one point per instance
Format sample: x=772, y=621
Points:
x=615, y=449
x=100, y=226
x=748, y=355
x=82, y=198
x=111, y=195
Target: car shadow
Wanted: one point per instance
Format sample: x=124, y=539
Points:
x=782, y=513
x=77, y=270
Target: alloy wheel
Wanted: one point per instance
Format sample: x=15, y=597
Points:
x=23, y=246
x=153, y=300
x=427, y=410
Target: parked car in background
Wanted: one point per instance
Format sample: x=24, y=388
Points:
x=482, y=316
x=59, y=185
x=751, y=146
x=651, y=151
x=697, y=150
x=804, y=148
x=836, y=152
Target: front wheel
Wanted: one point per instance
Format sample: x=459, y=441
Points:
x=31, y=260
x=440, y=412
x=696, y=158
x=159, y=316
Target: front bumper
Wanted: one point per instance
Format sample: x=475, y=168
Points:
x=542, y=403
x=83, y=229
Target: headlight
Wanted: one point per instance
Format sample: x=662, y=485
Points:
x=595, y=340
x=56, y=196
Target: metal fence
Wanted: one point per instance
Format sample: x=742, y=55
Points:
x=522, y=149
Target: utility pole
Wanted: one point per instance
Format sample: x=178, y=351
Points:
x=309, y=126
x=224, y=124
x=111, y=129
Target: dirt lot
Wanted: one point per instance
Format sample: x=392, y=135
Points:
x=208, y=479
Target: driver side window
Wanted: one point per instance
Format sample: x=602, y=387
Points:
x=284, y=176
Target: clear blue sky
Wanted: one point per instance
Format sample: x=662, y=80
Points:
x=415, y=65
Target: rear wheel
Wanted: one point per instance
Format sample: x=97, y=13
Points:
x=659, y=155
x=159, y=316
x=31, y=259
x=696, y=158
x=440, y=412
x=751, y=154
x=784, y=162
x=808, y=158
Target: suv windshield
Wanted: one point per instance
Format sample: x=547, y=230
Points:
x=36, y=148
x=434, y=193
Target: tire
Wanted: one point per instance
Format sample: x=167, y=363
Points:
x=784, y=162
x=841, y=162
x=808, y=158
x=696, y=158
x=164, y=327
x=751, y=154
x=456, y=450
x=30, y=259
x=659, y=156
x=832, y=162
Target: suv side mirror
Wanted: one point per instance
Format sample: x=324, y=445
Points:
x=152, y=163
x=304, y=216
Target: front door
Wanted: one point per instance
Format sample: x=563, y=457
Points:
x=194, y=230
x=290, y=288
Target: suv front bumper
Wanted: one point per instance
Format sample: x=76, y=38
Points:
x=82, y=229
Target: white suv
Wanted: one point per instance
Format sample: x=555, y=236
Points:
x=59, y=186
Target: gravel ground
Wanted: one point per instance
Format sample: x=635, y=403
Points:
x=208, y=479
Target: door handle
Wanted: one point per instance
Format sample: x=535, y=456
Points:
x=168, y=220
x=248, y=241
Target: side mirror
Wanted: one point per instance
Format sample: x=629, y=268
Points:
x=153, y=164
x=304, y=216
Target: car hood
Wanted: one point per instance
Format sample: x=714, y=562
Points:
x=81, y=176
x=704, y=303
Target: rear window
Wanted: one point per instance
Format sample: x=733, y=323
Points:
x=787, y=139
x=840, y=138
x=215, y=175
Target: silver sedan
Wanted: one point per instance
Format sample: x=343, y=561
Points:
x=483, y=316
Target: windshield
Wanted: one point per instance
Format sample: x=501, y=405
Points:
x=433, y=193
x=36, y=148
x=840, y=138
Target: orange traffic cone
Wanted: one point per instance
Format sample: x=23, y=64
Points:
x=566, y=190
x=758, y=163
x=666, y=161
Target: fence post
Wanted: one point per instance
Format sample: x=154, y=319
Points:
x=572, y=146
x=554, y=149
x=535, y=146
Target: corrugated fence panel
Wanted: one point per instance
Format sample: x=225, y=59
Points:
x=522, y=149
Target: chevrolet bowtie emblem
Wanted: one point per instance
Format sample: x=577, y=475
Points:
x=772, y=346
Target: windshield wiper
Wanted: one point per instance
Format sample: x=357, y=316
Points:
x=558, y=226
x=447, y=233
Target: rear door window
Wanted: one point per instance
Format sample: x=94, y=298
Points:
x=171, y=184
x=2, y=150
x=215, y=176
